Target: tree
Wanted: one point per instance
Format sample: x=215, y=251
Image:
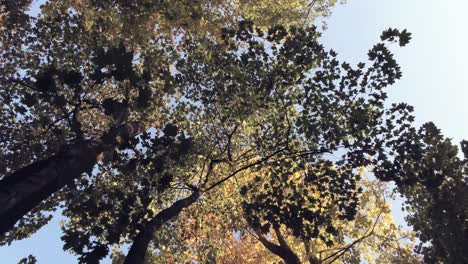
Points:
x=44, y=112
x=436, y=198
x=245, y=125
x=196, y=17
x=216, y=230
x=65, y=74
x=12, y=13
x=167, y=124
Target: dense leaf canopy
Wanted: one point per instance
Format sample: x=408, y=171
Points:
x=208, y=126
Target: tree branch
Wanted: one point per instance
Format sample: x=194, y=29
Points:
x=138, y=250
x=342, y=251
x=283, y=250
x=242, y=169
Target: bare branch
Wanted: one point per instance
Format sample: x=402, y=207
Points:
x=260, y=161
x=342, y=251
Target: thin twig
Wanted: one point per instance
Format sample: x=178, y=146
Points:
x=244, y=168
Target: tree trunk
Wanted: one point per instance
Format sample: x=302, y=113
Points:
x=137, y=252
x=283, y=250
x=21, y=191
x=29, y=186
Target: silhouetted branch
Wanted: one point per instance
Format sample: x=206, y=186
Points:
x=138, y=250
x=342, y=251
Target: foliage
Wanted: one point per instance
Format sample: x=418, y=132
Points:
x=216, y=231
x=436, y=200
x=138, y=21
x=191, y=98
x=12, y=14
x=29, y=260
x=239, y=108
x=52, y=95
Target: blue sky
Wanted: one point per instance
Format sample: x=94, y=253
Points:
x=435, y=79
x=434, y=64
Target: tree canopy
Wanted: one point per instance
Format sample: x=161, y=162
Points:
x=215, y=131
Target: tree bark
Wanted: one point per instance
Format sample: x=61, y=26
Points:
x=21, y=191
x=137, y=252
x=283, y=250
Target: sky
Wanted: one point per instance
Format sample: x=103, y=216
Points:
x=434, y=64
x=435, y=79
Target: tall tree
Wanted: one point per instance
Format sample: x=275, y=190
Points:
x=138, y=20
x=158, y=122
x=215, y=230
x=433, y=179
x=243, y=111
x=67, y=84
